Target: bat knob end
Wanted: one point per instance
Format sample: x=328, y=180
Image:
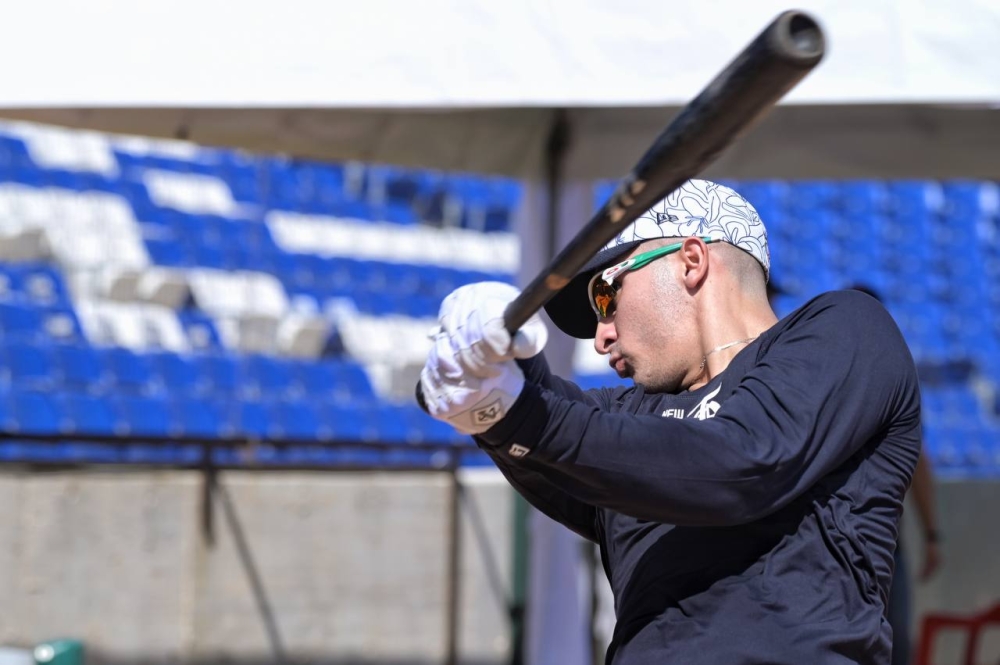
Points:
x=419, y=395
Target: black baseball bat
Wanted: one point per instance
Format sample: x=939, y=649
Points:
x=750, y=85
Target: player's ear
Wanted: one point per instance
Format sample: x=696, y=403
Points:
x=694, y=257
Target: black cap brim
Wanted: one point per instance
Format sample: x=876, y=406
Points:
x=570, y=309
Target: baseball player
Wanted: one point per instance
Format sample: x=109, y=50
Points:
x=745, y=491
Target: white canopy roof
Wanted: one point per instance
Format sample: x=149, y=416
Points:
x=457, y=53
x=907, y=88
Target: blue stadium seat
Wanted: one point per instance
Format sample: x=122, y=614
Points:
x=282, y=265
x=298, y=420
x=962, y=201
x=338, y=380
x=912, y=200
x=137, y=195
x=384, y=184
x=863, y=198
x=19, y=321
x=14, y=154
x=341, y=422
x=265, y=377
x=305, y=270
x=201, y=418
x=32, y=412
x=769, y=198
x=130, y=372
x=982, y=453
x=207, y=256
x=328, y=180
x=225, y=456
x=505, y=197
x=436, y=431
x=60, y=324
x=257, y=239
x=943, y=449
x=810, y=196
x=361, y=211
x=301, y=185
x=35, y=452
x=287, y=186
x=161, y=454
x=40, y=284
x=200, y=331
x=418, y=427
x=8, y=287
x=243, y=175
x=177, y=375
x=139, y=416
x=385, y=424
x=213, y=230
x=29, y=365
x=166, y=252
x=397, y=214
x=221, y=374
x=86, y=414
x=81, y=368
x=251, y=420
x=416, y=305
x=89, y=452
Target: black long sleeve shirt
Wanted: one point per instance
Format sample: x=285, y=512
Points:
x=752, y=520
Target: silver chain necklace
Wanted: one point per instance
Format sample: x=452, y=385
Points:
x=723, y=347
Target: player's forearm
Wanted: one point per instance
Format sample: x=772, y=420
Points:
x=647, y=467
x=547, y=497
x=923, y=497
x=536, y=370
x=732, y=469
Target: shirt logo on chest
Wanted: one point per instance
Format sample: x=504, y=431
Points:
x=707, y=408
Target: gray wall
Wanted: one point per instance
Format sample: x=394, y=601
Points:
x=351, y=566
x=342, y=567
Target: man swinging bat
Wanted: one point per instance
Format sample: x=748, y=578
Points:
x=745, y=492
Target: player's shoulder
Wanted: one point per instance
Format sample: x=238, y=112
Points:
x=847, y=299
x=848, y=309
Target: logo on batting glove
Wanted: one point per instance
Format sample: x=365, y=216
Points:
x=489, y=414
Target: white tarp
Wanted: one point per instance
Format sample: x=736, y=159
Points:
x=448, y=53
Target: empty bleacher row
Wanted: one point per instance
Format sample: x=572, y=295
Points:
x=159, y=289
x=931, y=250
x=145, y=289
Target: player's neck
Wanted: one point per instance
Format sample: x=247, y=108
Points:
x=730, y=326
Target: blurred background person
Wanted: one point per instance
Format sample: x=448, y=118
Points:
x=900, y=610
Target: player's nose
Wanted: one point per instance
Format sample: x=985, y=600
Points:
x=605, y=337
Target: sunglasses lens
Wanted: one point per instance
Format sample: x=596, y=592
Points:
x=604, y=298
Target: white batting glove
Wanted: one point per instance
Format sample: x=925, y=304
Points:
x=471, y=404
x=470, y=379
x=472, y=316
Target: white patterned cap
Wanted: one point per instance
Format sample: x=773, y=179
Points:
x=696, y=208
x=702, y=208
